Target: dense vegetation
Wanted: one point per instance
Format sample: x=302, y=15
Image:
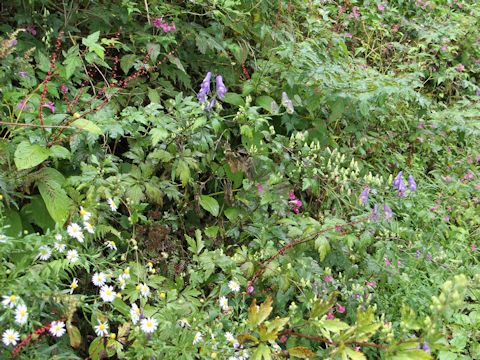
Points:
x=226, y=179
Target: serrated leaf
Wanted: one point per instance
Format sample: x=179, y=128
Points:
x=210, y=204
x=91, y=41
x=258, y=315
x=162, y=155
x=301, y=352
x=183, y=172
x=234, y=99
x=56, y=200
x=323, y=247
x=126, y=62
x=29, y=155
x=87, y=125
x=158, y=134
x=59, y=152
x=72, y=61
x=335, y=325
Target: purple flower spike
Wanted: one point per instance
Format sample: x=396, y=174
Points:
x=50, y=105
x=412, y=185
x=398, y=180
x=204, y=88
x=388, y=212
x=22, y=74
x=364, y=195
x=221, y=89
x=374, y=214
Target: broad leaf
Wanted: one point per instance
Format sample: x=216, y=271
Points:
x=29, y=155
x=210, y=204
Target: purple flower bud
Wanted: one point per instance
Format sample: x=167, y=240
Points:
x=397, y=180
x=374, y=214
x=477, y=92
x=50, y=105
x=260, y=188
x=22, y=74
x=412, y=185
x=221, y=89
x=204, y=88
x=364, y=195
x=250, y=289
x=426, y=347
x=419, y=253
x=429, y=257
x=63, y=89
x=388, y=212
x=211, y=104
x=328, y=278
x=274, y=107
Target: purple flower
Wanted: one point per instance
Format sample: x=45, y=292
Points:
x=340, y=309
x=364, y=195
x=328, y=278
x=13, y=42
x=22, y=74
x=387, y=262
x=387, y=211
x=211, y=104
x=374, y=214
x=31, y=29
x=204, y=88
x=477, y=92
x=22, y=105
x=50, y=105
x=426, y=347
x=287, y=103
x=429, y=257
x=260, y=188
x=348, y=35
x=291, y=195
x=355, y=12
x=250, y=289
x=419, y=253
x=381, y=7
x=397, y=180
x=159, y=24
x=412, y=185
x=221, y=89
x=460, y=67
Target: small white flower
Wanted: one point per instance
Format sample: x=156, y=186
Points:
x=197, y=338
x=111, y=245
x=57, y=328
x=45, y=253
x=21, y=314
x=73, y=285
x=101, y=329
x=10, y=336
x=144, y=290
x=75, y=231
x=229, y=337
x=148, y=325
x=112, y=204
x=99, y=279
x=72, y=255
x=122, y=282
x=134, y=313
x=223, y=303
x=126, y=273
x=9, y=301
x=60, y=247
x=107, y=293
x=89, y=227
x=58, y=237
x=183, y=323
x=234, y=286
x=85, y=214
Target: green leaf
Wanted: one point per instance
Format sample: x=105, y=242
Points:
x=127, y=61
x=323, y=246
x=265, y=102
x=96, y=348
x=13, y=221
x=162, y=155
x=49, y=182
x=234, y=99
x=158, y=134
x=72, y=61
x=183, y=172
x=74, y=336
x=301, y=352
x=232, y=213
x=59, y=152
x=29, y=155
x=354, y=355
x=411, y=355
x=258, y=315
x=87, y=125
x=334, y=326
x=91, y=41
x=209, y=204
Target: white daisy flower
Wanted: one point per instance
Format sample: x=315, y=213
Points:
x=89, y=227
x=45, y=253
x=101, y=329
x=57, y=328
x=73, y=285
x=21, y=314
x=99, y=279
x=197, y=338
x=60, y=247
x=10, y=301
x=112, y=204
x=58, y=237
x=126, y=273
x=75, y=231
x=148, y=325
x=72, y=255
x=85, y=214
x=144, y=290
x=111, y=245
x=223, y=303
x=229, y=337
x=122, y=282
x=134, y=313
x=107, y=293
x=10, y=336
x=234, y=286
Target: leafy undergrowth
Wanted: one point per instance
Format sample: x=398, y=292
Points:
x=240, y=179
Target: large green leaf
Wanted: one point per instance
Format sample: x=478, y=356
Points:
x=209, y=204
x=87, y=125
x=58, y=204
x=28, y=155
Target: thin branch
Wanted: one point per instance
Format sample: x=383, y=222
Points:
x=14, y=124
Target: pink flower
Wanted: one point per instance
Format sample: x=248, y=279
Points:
x=50, y=105
x=372, y=283
x=328, y=278
x=399, y=263
x=474, y=248
x=348, y=35
x=446, y=218
x=260, y=188
x=291, y=195
x=381, y=7
x=387, y=262
x=444, y=48
x=250, y=289
x=22, y=105
x=460, y=67
x=159, y=24
x=355, y=12
x=330, y=315
x=477, y=187
x=340, y=308
x=31, y=29
x=63, y=89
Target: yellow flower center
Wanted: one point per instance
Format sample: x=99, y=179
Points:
x=13, y=298
x=74, y=285
x=82, y=212
x=23, y=312
x=113, y=336
x=102, y=327
x=11, y=337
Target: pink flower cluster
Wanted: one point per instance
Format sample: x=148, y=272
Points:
x=295, y=203
x=159, y=24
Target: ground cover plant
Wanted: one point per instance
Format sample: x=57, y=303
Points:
x=224, y=179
